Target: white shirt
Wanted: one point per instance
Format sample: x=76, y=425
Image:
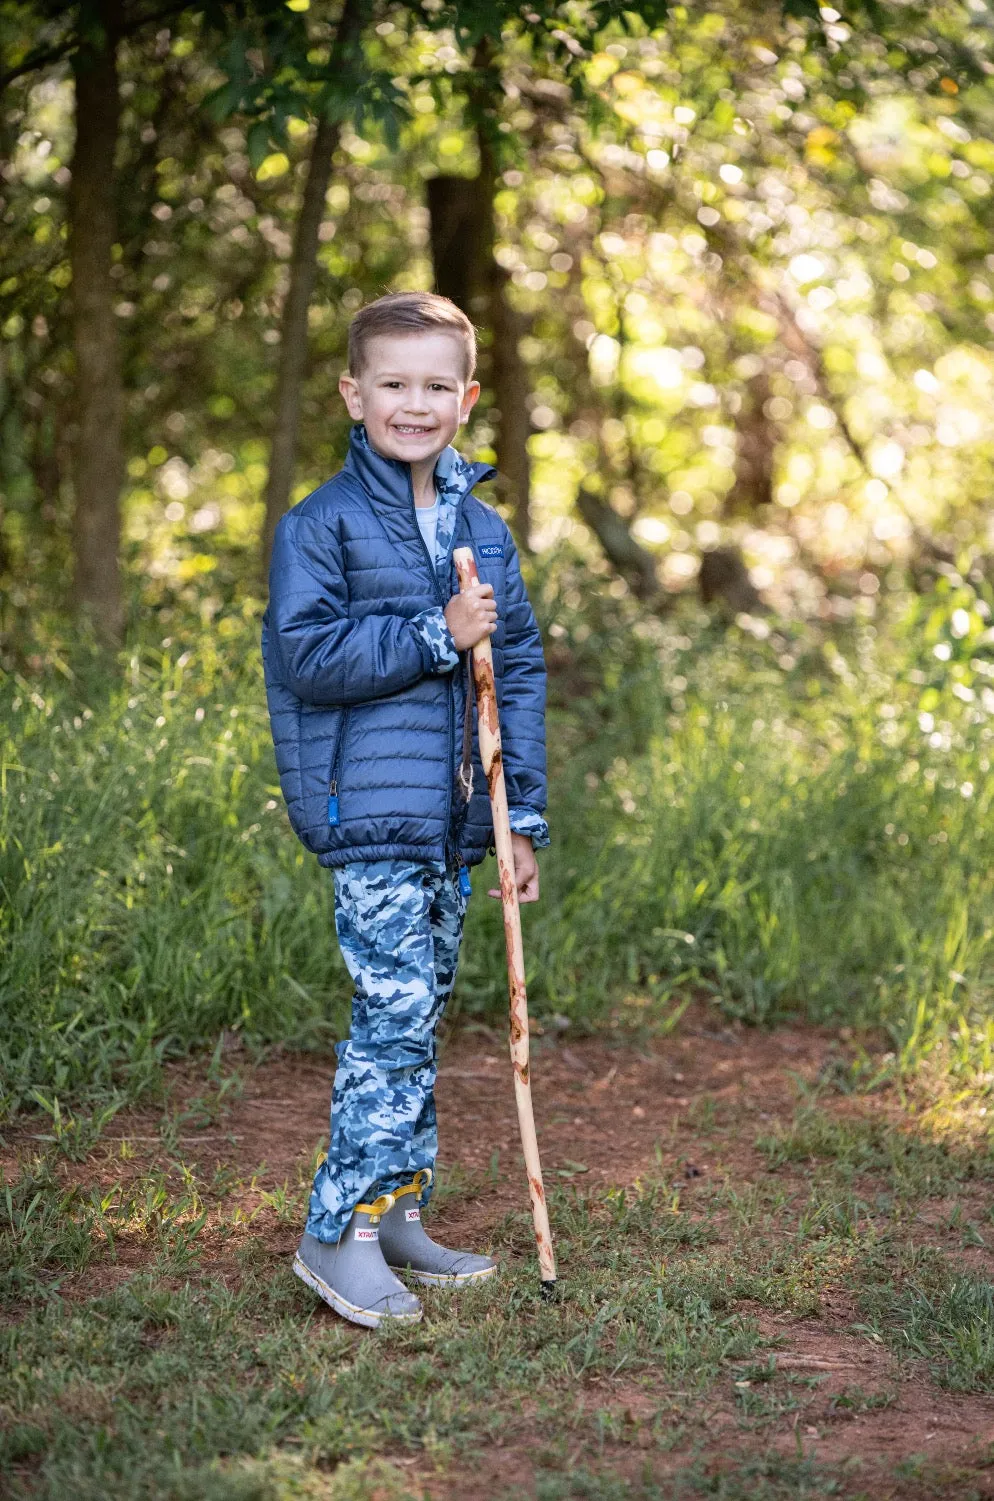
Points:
x=428, y=522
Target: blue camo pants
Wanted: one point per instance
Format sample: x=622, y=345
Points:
x=399, y=925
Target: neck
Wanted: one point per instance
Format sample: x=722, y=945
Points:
x=423, y=482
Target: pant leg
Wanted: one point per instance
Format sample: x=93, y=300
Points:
x=386, y=1069
x=447, y=913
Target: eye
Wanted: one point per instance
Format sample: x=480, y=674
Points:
x=392, y=385
x=439, y=386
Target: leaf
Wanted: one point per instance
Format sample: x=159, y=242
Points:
x=257, y=143
x=223, y=102
x=802, y=9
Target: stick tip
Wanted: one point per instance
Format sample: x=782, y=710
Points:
x=549, y=1290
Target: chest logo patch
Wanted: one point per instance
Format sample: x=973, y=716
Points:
x=491, y=550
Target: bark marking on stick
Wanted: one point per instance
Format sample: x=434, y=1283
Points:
x=538, y=1192
x=494, y=770
x=487, y=700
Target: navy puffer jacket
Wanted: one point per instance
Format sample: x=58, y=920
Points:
x=355, y=697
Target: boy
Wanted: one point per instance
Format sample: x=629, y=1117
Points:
x=366, y=648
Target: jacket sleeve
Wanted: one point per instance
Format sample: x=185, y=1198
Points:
x=328, y=658
x=531, y=825
x=523, y=696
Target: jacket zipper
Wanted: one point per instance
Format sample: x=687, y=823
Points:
x=451, y=696
x=333, y=781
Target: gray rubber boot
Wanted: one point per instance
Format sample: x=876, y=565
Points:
x=408, y=1248
x=352, y=1276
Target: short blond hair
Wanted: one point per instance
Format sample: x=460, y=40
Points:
x=410, y=313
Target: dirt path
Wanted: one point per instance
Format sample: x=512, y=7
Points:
x=689, y=1107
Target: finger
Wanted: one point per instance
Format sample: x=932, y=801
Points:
x=495, y=894
x=528, y=891
x=485, y=590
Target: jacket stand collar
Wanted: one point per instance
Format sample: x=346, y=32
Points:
x=388, y=481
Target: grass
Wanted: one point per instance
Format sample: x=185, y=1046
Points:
x=791, y=831
x=786, y=838
x=228, y=1372
x=209, y=1372
x=938, y=1312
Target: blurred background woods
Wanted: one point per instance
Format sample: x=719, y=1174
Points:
x=732, y=267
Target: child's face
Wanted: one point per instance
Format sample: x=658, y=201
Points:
x=412, y=395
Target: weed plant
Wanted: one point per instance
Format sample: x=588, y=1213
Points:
x=941, y=1314
x=786, y=825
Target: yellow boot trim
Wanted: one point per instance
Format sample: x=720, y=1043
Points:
x=421, y=1181
x=378, y=1207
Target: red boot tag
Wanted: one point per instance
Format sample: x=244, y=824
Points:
x=412, y=1214
x=367, y=1233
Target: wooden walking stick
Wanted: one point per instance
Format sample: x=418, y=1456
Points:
x=491, y=756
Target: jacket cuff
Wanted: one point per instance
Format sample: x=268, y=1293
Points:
x=436, y=641
x=526, y=821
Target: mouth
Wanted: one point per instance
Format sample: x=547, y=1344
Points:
x=411, y=430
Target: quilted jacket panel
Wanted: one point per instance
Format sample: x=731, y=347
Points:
x=353, y=693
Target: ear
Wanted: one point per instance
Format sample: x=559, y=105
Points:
x=469, y=401
x=349, y=388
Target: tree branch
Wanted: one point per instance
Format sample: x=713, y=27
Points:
x=40, y=59
x=44, y=56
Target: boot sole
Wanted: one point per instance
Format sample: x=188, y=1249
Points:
x=446, y=1280
x=364, y=1316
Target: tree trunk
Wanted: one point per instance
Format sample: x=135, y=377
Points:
x=293, y=332
x=99, y=456
x=757, y=438
x=460, y=242
x=462, y=249
x=511, y=385
x=508, y=372
x=303, y=272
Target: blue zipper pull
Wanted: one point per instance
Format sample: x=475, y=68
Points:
x=465, y=884
x=333, y=804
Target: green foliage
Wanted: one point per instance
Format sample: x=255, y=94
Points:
x=242, y=1372
x=753, y=276
x=153, y=893
x=775, y=823
x=797, y=833
x=194, y=1378
x=931, y=1309
x=46, y=1232
x=916, y=1166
